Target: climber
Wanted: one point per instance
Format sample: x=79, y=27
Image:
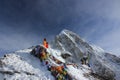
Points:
x=64, y=71
x=54, y=72
x=65, y=66
x=85, y=59
x=67, y=77
x=44, y=42
x=60, y=76
x=48, y=65
x=42, y=55
x=59, y=69
x=47, y=55
x=65, y=74
x=82, y=61
x=47, y=45
x=52, y=68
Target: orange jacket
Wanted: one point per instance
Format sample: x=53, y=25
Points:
x=44, y=43
x=47, y=45
x=59, y=68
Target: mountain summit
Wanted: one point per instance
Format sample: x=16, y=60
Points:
x=67, y=48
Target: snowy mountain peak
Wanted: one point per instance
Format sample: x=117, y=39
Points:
x=100, y=64
x=70, y=34
x=65, y=31
x=66, y=50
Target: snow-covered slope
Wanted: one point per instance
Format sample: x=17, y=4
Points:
x=77, y=73
x=21, y=65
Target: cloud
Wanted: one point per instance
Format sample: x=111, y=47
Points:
x=23, y=23
x=103, y=8
x=17, y=41
x=99, y=23
x=110, y=41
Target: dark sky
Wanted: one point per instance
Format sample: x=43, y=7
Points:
x=24, y=23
